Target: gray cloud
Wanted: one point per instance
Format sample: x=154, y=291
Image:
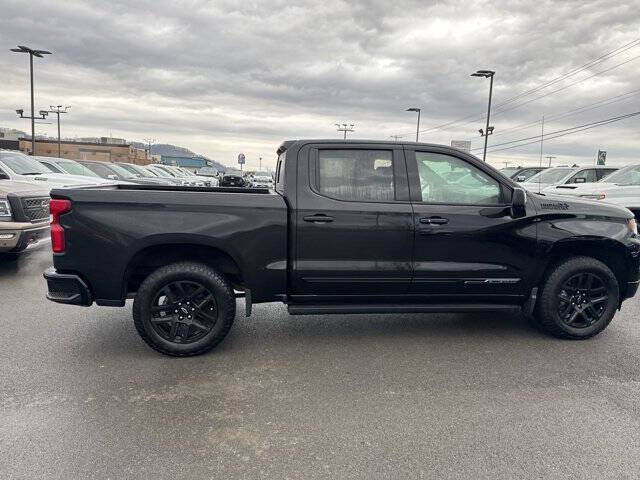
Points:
x=223, y=77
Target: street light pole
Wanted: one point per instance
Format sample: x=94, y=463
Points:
x=345, y=128
x=58, y=110
x=486, y=74
x=415, y=109
x=39, y=54
x=149, y=142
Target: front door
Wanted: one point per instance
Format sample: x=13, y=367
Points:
x=354, y=223
x=468, y=248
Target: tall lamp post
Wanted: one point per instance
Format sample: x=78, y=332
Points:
x=488, y=130
x=345, y=128
x=57, y=109
x=414, y=109
x=32, y=53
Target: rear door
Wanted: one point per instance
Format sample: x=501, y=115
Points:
x=354, y=222
x=468, y=248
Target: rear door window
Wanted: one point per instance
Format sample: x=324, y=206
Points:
x=356, y=175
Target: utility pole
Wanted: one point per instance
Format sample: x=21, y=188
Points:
x=345, y=128
x=541, y=140
x=260, y=163
x=58, y=110
x=416, y=109
x=506, y=163
x=32, y=53
x=149, y=142
x=549, y=157
x=395, y=137
x=489, y=130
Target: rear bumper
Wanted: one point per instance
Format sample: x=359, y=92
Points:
x=20, y=239
x=67, y=288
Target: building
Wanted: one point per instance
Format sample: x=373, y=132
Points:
x=105, y=152
x=193, y=163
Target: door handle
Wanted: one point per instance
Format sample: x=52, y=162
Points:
x=434, y=220
x=318, y=218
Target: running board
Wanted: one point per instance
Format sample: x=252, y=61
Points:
x=301, y=309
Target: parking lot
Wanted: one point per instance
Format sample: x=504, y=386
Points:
x=381, y=396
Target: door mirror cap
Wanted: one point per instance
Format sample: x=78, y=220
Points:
x=520, y=178
x=112, y=177
x=518, y=202
x=580, y=180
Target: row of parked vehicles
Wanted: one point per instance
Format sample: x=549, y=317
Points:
x=610, y=184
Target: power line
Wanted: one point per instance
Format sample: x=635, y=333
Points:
x=559, y=115
x=571, y=73
x=606, y=56
x=565, y=132
x=557, y=131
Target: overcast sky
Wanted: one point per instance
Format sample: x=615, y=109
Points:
x=224, y=77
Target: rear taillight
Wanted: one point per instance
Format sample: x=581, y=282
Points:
x=57, y=207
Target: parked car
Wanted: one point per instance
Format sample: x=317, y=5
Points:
x=167, y=171
x=115, y=171
x=207, y=181
x=351, y=227
x=566, y=175
x=232, y=181
x=19, y=167
x=208, y=172
x=620, y=188
x=24, y=216
x=261, y=180
x=521, y=174
x=65, y=165
x=144, y=173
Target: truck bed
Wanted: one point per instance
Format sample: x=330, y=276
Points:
x=110, y=227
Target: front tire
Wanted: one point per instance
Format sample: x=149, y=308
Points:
x=579, y=299
x=184, y=309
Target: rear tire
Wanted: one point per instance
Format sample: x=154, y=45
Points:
x=184, y=309
x=579, y=299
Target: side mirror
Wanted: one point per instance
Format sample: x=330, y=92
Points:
x=580, y=180
x=518, y=203
x=112, y=177
x=520, y=178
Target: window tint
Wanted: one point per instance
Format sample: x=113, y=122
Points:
x=101, y=170
x=361, y=175
x=588, y=175
x=603, y=172
x=51, y=167
x=280, y=175
x=448, y=179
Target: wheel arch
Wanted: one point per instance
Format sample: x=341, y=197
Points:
x=609, y=251
x=150, y=257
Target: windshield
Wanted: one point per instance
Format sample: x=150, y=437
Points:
x=75, y=168
x=161, y=172
x=22, y=165
x=122, y=172
x=625, y=176
x=552, y=175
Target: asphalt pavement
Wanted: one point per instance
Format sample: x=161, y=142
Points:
x=345, y=396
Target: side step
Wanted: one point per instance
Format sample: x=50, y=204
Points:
x=303, y=309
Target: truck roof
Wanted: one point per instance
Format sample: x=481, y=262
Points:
x=287, y=144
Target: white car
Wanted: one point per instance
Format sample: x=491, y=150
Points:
x=621, y=187
x=262, y=180
x=66, y=165
x=565, y=175
x=19, y=167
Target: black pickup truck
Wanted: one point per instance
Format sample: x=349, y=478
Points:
x=352, y=227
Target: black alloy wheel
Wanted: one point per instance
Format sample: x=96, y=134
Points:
x=583, y=300
x=183, y=312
